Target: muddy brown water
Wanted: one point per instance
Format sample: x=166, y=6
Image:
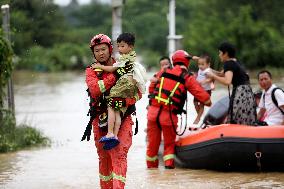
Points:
x=57, y=105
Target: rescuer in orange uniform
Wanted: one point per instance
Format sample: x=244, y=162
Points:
x=166, y=103
x=112, y=163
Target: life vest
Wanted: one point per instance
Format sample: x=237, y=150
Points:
x=170, y=91
x=98, y=108
x=152, y=87
x=95, y=109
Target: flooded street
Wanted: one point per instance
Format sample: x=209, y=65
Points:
x=57, y=104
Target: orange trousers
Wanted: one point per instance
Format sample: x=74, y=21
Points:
x=154, y=134
x=113, y=163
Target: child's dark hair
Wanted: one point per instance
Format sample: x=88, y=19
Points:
x=166, y=58
x=206, y=57
x=229, y=48
x=127, y=38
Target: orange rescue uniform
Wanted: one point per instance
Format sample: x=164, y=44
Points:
x=112, y=163
x=167, y=99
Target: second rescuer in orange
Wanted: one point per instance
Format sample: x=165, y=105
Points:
x=166, y=103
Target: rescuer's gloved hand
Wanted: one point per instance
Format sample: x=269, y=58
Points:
x=116, y=103
x=124, y=70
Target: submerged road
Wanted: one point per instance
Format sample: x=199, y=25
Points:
x=57, y=104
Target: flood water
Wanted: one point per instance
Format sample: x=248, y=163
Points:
x=57, y=105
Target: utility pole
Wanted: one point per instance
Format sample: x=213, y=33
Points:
x=6, y=29
x=116, y=23
x=173, y=39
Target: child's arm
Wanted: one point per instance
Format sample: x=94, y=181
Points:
x=207, y=80
x=154, y=79
x=105, y=68
x=195, y=58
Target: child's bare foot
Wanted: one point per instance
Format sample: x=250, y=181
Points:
x=109, y=135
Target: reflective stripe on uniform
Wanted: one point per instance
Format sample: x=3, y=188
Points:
x=174, y=90
x=160, y=88
x=112, y=176
x=154, y=158
x=169, y=156
x=119, y=177
x=106, y=178
x=166, y=101
x=101, y=86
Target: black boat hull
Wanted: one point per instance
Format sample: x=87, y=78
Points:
x=233, y=154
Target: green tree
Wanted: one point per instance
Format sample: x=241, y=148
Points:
x=254, y=26
x=6, y=54
x=258, y=42
x=147, y=20
x=93, y=15
x=36, y=22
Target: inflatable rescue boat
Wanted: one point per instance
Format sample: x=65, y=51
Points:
x=237, y=147
x=231, y=146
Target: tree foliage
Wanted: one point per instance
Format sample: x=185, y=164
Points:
x=255, y=27
x=36, y=22
x=92, y=15
x=147, y=19
x=6, y=54
x=258, y=42
x=65, y=56
x=87, y=20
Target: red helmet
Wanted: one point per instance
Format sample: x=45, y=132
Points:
x=100, y=39
x=181, y=56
